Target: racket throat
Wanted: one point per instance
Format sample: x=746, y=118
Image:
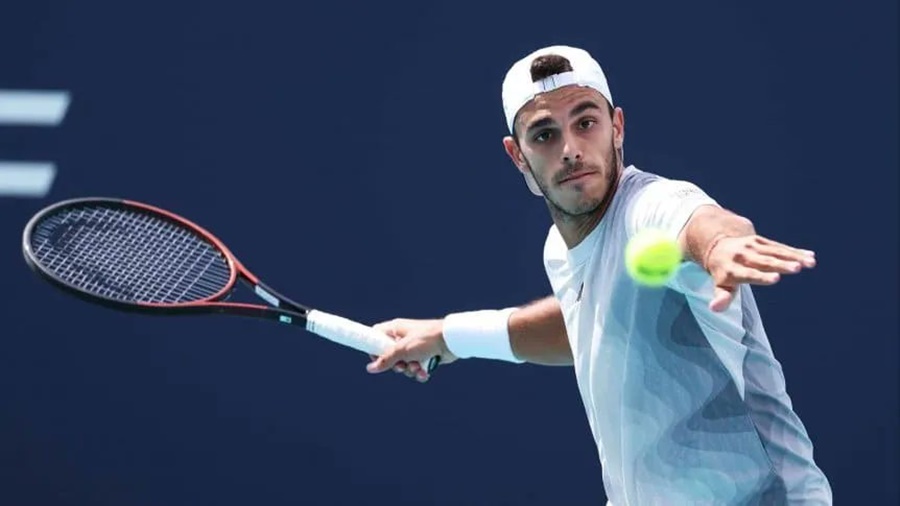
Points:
x=277, y=300
x=266, y=294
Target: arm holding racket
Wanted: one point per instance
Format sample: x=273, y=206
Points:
x=534, y=333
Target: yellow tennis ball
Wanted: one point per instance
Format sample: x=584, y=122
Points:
x=652, y=257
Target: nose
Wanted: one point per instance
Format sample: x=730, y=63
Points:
x=571, y=153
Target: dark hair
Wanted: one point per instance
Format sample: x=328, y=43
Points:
x=548, y=65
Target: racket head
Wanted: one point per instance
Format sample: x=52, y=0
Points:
x=129, y=255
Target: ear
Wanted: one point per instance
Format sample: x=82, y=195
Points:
x=515, y=154
x=618, y=127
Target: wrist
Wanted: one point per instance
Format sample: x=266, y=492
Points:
x=709, y=249
x=480, y=334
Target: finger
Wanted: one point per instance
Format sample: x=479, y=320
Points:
x=788, y=254
x=388, y=328
x=412, y=369
x=422, y=376
x=737, y=274
x=398, y=367
x=721, y=298
x=382, y=326
x=768, y=263
x=803, y=255
x=386, y=361
x=781, y=251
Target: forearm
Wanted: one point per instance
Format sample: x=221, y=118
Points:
x=534, y=333
x=707, y=226
x=537, y=333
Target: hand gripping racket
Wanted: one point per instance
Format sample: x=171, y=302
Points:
x=135, y=257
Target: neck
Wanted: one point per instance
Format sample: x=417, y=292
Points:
x=574, y=229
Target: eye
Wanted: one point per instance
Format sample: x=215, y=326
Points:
x=586, y=123
x=542, y=136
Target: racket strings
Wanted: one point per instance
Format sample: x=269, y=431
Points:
x=129, y=255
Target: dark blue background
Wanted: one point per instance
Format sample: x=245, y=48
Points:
x=350, y=153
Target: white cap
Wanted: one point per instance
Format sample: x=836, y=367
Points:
x=519, y=89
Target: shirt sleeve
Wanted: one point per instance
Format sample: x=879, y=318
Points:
x=666, y=205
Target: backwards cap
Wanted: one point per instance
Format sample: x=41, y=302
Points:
x=519, y=89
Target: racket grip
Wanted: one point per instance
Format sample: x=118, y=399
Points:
x=353, y=334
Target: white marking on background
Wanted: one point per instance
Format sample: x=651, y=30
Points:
x=26, y=179
x=33, y=107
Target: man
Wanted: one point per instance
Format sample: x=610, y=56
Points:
x=684, y=397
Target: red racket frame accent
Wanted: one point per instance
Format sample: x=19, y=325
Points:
x=236, y=266
x=296, y=312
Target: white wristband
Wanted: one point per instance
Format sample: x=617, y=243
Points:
x=480, y=334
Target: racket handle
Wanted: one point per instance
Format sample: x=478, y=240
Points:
x=352, y=334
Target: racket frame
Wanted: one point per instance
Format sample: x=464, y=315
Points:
x=280, y=309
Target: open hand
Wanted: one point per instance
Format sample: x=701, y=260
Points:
x=751, y=259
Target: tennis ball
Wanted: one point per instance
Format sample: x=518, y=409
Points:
x=652, y=257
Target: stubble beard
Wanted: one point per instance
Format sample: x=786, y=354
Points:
x=563, y=214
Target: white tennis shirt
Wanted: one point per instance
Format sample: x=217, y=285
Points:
x=687, y=406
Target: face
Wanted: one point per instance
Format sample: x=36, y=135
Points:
x=567, y=147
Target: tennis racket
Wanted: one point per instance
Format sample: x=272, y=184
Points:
x=135, y=257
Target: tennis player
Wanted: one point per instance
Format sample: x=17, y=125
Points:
x=683, y=395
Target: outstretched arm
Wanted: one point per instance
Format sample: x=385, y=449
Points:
x=533, y=333
x=728, y=247
x=724, y=243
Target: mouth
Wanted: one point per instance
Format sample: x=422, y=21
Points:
x=576, y=176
